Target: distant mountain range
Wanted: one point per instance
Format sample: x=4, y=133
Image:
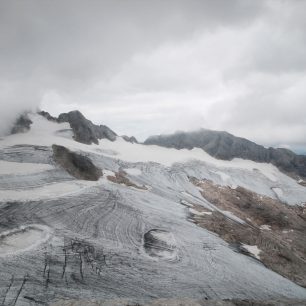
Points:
x=223, y=145
x=219, y=144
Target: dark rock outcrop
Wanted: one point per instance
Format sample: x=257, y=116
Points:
x=84, y=130
x=223, y=145
x=131, y=139
x=47, y=116
x=22, y=124
x=79, y=166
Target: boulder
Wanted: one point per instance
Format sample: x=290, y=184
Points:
x=79, y=166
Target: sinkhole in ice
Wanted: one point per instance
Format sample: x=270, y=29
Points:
x=161, y=244
x=23, y=238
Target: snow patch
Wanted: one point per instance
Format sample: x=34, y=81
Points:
x=265, y=227
x=108, y=173
x=253, y=249
x=186, y=203
x=199, y=213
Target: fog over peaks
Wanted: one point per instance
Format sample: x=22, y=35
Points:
x=151, y=67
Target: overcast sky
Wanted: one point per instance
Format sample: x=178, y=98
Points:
x=149, y=67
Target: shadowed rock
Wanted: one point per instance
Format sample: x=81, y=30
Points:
x=22, y=124
x=47, y=116
x=79, y=166
x=223, y=145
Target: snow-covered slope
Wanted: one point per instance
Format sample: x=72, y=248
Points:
x=86, y=239
x=259, y=177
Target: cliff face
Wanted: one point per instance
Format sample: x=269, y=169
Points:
x=223, y=145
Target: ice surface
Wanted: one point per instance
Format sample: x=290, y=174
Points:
x=53, y=190
x=14, y=168
x=133, y=171
x=96, y=250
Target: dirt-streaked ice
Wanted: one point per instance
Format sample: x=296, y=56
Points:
x=96, y=249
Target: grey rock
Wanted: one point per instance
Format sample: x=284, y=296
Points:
x=22, y=124
x=47, y=116
x=77, y=165
x=131, y=139
x=84, y=130
x=223, y=145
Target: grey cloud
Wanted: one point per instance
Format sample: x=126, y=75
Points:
x=147, y=67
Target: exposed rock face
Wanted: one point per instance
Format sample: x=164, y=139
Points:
x=131, y=139
x=120, y=178
x=84, y=130
x=226, y=146
x=77, y=165
x=22, y=124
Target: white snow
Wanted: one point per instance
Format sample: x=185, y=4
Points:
x=278, y=191
x=133, y=171
x=234, y=172
x=107, y=172
x=253, y=249
x=199, y=213
x=186, y=203
x=14, y=168
x=44, y=132
x=265, y=227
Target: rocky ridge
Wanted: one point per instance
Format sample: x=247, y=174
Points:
x=84, y=130
x=223, y=145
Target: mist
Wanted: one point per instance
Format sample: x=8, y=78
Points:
x=152, y=67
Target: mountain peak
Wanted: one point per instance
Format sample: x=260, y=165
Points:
x=84, y=130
